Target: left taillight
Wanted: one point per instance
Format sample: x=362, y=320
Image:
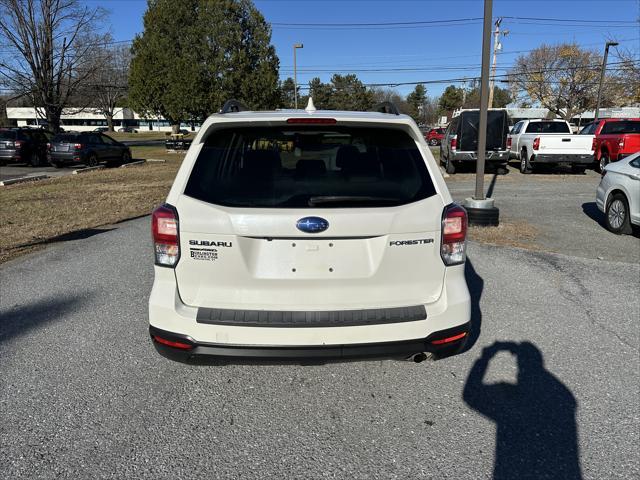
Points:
x=536, y=143
x=166, y=235
x=453, y=248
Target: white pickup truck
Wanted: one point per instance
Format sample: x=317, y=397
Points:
x=540, y=141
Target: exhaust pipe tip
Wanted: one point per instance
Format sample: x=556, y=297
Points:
x=419, y=357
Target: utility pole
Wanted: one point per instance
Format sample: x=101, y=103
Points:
x=604, y=68
x=496, y=46
x=481, y=210
x=295, y=75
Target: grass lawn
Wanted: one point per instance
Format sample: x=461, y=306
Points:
x=45, y=211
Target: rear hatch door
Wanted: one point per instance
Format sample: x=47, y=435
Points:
x=286, y=218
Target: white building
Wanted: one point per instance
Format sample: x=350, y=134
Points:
x=88, y=119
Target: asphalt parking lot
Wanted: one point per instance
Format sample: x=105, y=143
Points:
x=561, y=207
x=548, y=388
x=83, y=393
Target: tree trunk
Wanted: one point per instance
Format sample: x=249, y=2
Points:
x=109, y=117
x=53, y=120
x=175, y=128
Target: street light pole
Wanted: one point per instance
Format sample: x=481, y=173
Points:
x=295, y=75
x=602, y=72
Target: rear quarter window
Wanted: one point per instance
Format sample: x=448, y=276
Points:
x=309, y=167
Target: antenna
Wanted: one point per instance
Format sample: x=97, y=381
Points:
x=310, y=106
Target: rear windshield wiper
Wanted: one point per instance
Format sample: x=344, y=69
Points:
x=315, y=201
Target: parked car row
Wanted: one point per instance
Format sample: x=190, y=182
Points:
x=40, y=147
x=535, y=142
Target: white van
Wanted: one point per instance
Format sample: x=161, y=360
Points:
x=313, y=234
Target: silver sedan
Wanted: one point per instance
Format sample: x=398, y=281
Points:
x=618, y=194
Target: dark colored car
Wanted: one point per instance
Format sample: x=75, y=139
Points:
x=89, y=148
x=434, y=136
x=24, y=145
x=614, y=139
x=127, y=130
x=460, y=142
x=101, y=129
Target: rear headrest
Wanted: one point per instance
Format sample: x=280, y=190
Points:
x=262, y=161
x=309, y=167
x=365, y=164
x=345, y=154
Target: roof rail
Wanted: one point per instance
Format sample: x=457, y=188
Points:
x=231, y=106
x=386, y=107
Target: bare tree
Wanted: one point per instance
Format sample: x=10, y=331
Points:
x=46, y=50
x=562, y=78
x=625, y=81
x=107, y=86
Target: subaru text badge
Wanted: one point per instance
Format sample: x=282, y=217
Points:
x=312, y=224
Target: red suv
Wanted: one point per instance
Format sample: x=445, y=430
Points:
x=434, y=136
x=615, y=138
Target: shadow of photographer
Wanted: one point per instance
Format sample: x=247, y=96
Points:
x=535, y=418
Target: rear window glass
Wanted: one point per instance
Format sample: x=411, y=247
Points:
x=309, y=167
x=7, y=135
x=66, y=138
x=627, y=126
x=548, y=127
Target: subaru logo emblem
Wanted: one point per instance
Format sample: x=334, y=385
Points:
x=312, y=224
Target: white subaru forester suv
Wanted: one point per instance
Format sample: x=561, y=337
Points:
x=310, y=234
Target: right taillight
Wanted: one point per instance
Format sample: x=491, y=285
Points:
x=166, y=235
x=453, y=248
x=508, y=142
x=454, y=143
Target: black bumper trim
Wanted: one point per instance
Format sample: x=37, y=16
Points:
x=310, y=319
x=399, y=349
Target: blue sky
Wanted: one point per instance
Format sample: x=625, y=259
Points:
x=410, y=53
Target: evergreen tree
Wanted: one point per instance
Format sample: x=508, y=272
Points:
x=195, y=54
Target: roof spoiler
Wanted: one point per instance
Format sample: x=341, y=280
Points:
x=386, y=107
x=233, y=106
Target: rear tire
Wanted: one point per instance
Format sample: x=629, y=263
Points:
x=92, y=161
x=617, y=215
x=34, y=160
x=604, y=161
x=578, y=169
x=525, y=167
x=449, y=167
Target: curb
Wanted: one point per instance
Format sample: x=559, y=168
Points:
x=156, y=160
x=133, y=164
x=87, y=169
x=13, y=181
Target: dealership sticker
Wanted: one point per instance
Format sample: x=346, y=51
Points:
x=209, y=254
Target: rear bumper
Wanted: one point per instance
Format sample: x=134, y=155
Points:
x=491, y=156
x=71, y=157
x=456, y=336
x=584, y=159
x=340, y=337
x=10, y=155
